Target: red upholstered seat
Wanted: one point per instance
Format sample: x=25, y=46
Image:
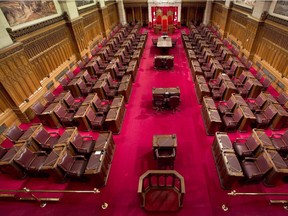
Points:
x=83, y=144
x=46, y=140
x=232, y=120
x=246, y=147
x=95, y=119
x=280, y=141
x=255, y=169
x=72, y=166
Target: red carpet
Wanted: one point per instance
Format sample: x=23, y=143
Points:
x=133, y=157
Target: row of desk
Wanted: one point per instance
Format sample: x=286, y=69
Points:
x=228, y=165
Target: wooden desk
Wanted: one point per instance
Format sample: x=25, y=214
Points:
x=132, y=69
x=67, y=136
x=89, y=99
x=280, y=120
x=125, y=87
x=279, y=170
x=263, y=139
x=98, y=88
x=74, y=89
x=118, y=101
x=229, y=169
x=256, y=87
x=164, y=42
x=30, y=132
x=166, y=91
x=164, y=62
x=200, y=79
x=202, y=90
x=49, y=117
x=136, y=56
x=230, y=89
x=247, y=120
x=98, y=168
x=221, y=143
x=50, y=165
x=164, y=141
x=114, y=120
x=80, y=118
x=211, y=117
x=105, y=142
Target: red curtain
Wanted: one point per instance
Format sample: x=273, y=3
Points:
x=170, y=12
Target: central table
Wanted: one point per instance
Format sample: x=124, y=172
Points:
x=164, y=42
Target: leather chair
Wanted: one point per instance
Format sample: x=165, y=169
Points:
x=165, y=157
x=83, y=144
x=112, y=83
x=45, y=140
x=280, y=142
x=31, y=162
x=110, y=93
x=3, y=151
x=38, y=108
x=49, y=97
x=101, y=64
x=64, y=83
x=207, y=67
x=119, y=74
x=210, y=74
x=266, y=83
x=70, y=102
x=159, y=102
x=217, y=93
x=95, y=119
x=239, y=81
x=224, y=107
x=84, y=89
x=97, y=71
x=259, y=75
x=120, y=66
x=215, y=83
x=70, y=75
x=246, y=147
x=255, y=169
x=264, y=117
x=257, y=103
x=244, y=90
x=231, y=72
x=88, y=79
x=101, y=106
x=15, y=133
x=173, y=103
x=72, y=166
x=65, y=117
x=232, y=120
x=107, y=57
x=282, y=98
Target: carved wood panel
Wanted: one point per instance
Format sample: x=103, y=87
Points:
x=16, y=74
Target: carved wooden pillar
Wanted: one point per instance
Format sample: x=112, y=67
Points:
x=225, y=17
x=252, y=33
x=76, y=27
x=16, y=77
x=106, y=21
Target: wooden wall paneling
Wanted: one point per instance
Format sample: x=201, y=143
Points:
x=9, y=118
x=129, y=15
x=145, y=19
x=138, y=14
x=92, y=27
x=76, y=27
